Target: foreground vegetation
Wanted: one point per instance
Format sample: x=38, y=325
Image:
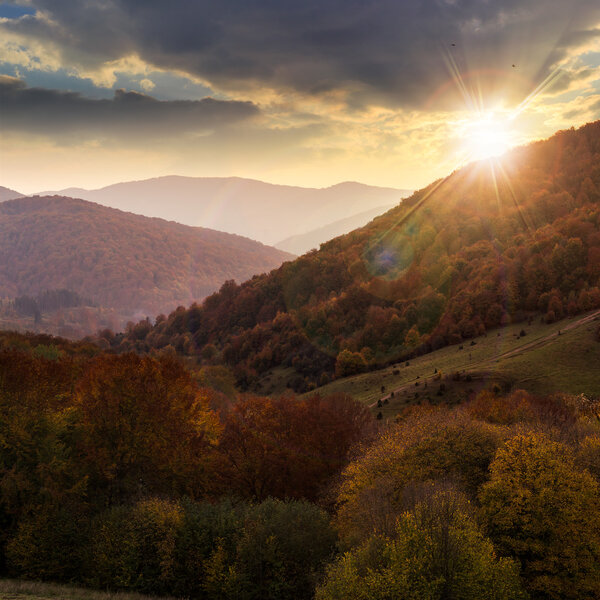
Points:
x=117, y=472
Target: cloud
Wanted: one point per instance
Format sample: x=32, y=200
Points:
x=147, y=84
x=378, y=52
x=67, y=114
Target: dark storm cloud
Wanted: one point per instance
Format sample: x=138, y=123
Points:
x=388, y=51
x=53, y=112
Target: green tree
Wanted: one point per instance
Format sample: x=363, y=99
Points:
x=282, y=551
x=134, y=547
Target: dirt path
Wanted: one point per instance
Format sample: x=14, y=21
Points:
x=544, y=340
x=474, y=366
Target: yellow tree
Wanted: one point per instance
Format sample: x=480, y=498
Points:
x=545, y=512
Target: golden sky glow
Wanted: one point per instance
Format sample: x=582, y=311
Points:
x=328, y=101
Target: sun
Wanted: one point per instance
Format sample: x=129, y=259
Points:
x=486, y=136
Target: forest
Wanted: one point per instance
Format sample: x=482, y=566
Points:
x=144, y=461
x=121, y=472
x=493, y=243
x=119, y=261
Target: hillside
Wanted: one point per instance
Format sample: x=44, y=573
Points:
x=8, y=194
x=261, y=211
x=120, y=261
x=541, y=362
x=493, y=243
x=302, y=243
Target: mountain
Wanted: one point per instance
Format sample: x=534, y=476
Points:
x=513, y=239
x=132, y=264
x=8, y=194
x=302, y=243
x=261, y=211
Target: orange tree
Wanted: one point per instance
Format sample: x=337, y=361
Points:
x=287, y=447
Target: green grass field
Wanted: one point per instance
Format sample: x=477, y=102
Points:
x=29, y=590
x=542, y=362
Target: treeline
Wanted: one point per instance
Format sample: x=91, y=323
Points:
x=119, y=472
x=488, y=245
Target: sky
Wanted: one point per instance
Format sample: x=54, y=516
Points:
x=303, y=92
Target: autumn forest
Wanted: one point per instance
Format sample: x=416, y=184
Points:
x=158, y=458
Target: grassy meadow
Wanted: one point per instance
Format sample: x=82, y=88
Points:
x=543, y=361
x=11, y=589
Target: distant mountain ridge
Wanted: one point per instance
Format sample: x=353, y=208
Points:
x=261, y=211
x=8, y=194
x=134, y=264
x=302, y=243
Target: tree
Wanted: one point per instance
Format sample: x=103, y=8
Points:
x=144, y=428
x=541, y=509
x=412, y=339
x=288, y=447
x=436, y=553
x=133, y=547
x=349, y=363
x=281, y=552
x=428, y=445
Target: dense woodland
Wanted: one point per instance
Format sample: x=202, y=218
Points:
x=116, y=260
x=120, y=472
x=495, y=242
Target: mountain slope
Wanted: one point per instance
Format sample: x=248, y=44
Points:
x=260, y=211
x=8, y=194
x=302, y=243
x=118, y=260
x=496, y=242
